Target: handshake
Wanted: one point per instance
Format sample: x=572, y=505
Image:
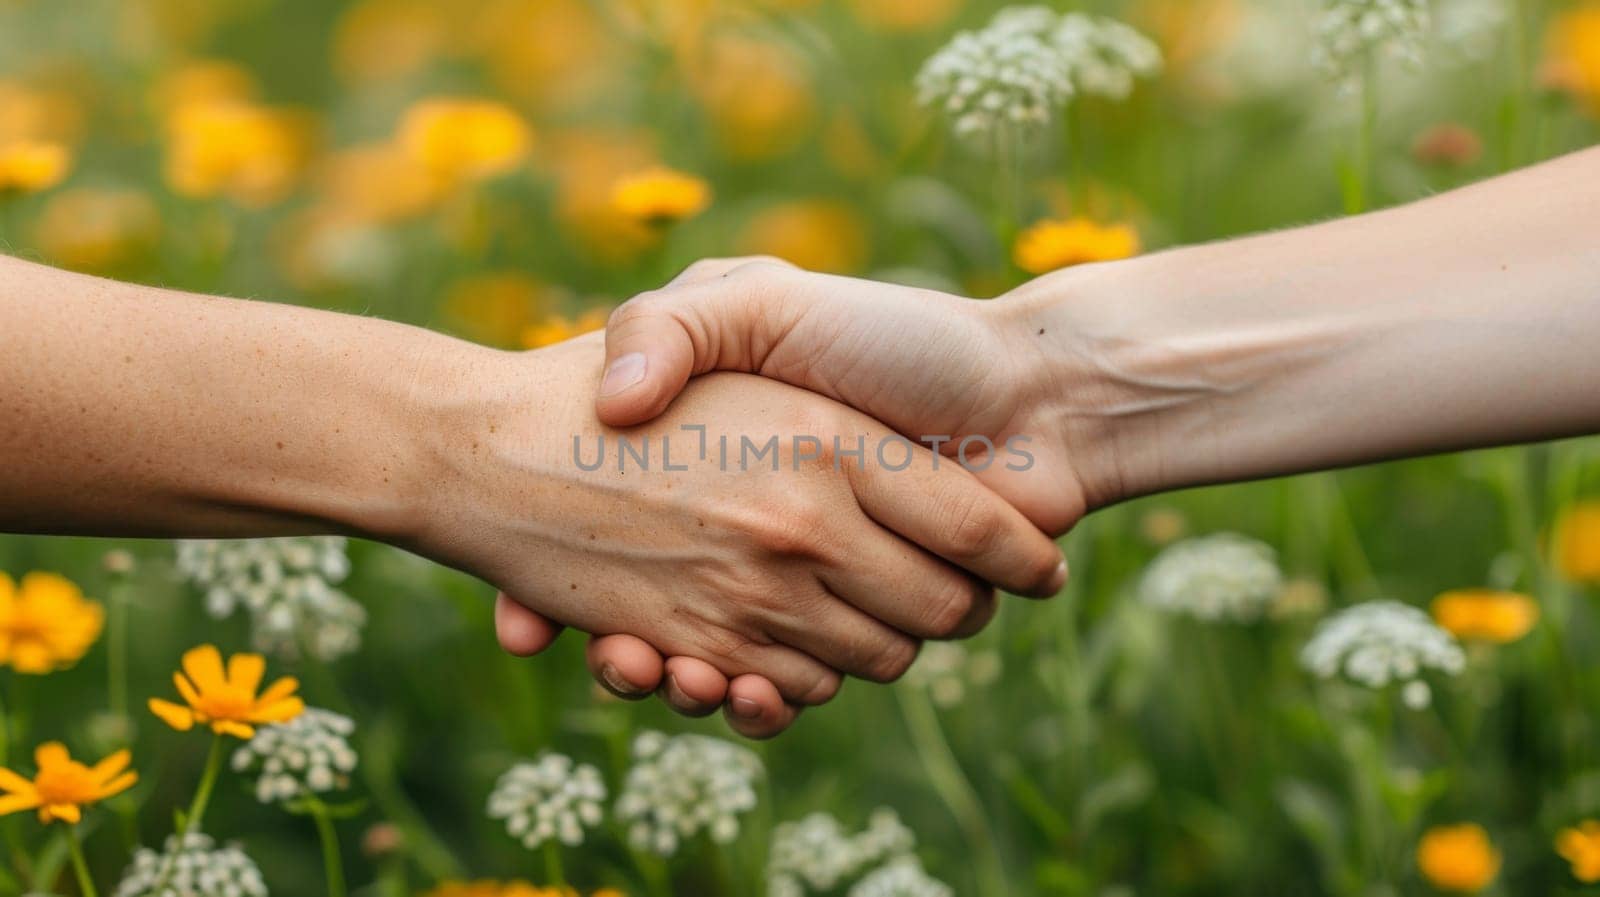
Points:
x=745, y=542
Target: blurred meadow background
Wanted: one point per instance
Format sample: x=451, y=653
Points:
x=1377, y=682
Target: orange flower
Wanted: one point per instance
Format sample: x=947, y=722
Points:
x=557, y=329
x=46, y=623
x=1576, y=542
x=1054, y=244
x=818, y=235
x=227, y=700
x=63, y=786
x=1580, y=846
x=1458, y=858
x=660, y=196
x=1485, y=614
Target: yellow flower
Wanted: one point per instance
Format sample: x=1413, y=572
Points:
x=45, y=624
x=1577, y=542
x=28, y=166
x=557, y=329
x=553, y=53
x=227, y=700
x=378, y=183
x=585, y=164
x=660, y=196
x=90, y=229
x=251, y=154
x=904, y=15
x=757, y=93
x=461, y=140
x=818, y=235
x=378, y=40
x=204, y=82
x=1054, y=244
x=52, y=115
x=63, y=786
x=1572, y=55
x=496, y=307
x=1580, y=846
x=1485, y=614
x=1458, y=857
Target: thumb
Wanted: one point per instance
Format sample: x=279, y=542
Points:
x=705, y=319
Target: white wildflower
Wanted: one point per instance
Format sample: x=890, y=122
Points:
x=901, y=878
x=551, y=797
x=310, y=753
x=197, y=870
x=1350, y=33
x=1416, y=694
x=816, y=853
x=681, y=785
x=1380, y=642
x=948, y=670
x=1104, y=55
x=1218, y=577
x=288, y=587
x=991, y=81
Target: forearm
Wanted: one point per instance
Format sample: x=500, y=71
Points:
x=1466, y=320
x=138, y=411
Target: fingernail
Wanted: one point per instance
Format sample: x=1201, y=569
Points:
x=614, y=681
x=745, y=708
x=1059, y=578
x=623, y=374
x=676, y=697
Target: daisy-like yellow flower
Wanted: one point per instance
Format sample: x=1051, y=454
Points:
x=252, y=154
x=1572, y=55
x=1458, y=858
x=461, y=140
x=558, y=329
x=63, y=787
x=45, y=623
x=1576, y=542
x=1054, y=244
x=1485, y=615
x=227, y=700
x=28, y=166
x=660, y=196
x=1580, y=846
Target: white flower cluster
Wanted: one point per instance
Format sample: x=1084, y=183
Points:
x=901, y=878
x=552, y=797
x=1224, y=576
x=1105, y=55
x=816, y=854
x=1380, y=642
x=681, y=785
x=310, y=753
x=197, y=870
x=948, y=670
x=1027, y=63
x=286, y=585
x=1350, y=32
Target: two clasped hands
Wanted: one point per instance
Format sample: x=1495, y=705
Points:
x=1467, y=319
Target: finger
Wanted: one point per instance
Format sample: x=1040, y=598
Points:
x=713, y=268
x=756, y=710
x=892, y=580
x=693, y=687
x=657, y=340
x=947, y=511
x=520, y=629
x=625, y=665
x=799, y=677
x=841, y=636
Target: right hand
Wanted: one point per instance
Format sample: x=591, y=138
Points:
x=792, y=575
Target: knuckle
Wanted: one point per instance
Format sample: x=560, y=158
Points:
x=891, y=660
x=797, y=529
x=972, y=526
x=949, y=608
x=822, y=689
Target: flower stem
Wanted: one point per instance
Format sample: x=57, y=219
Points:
x=197, y=810
x=954, y=788
x=85, y=882
x=1359, y=183
x=554, y=876
x=332, y=865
